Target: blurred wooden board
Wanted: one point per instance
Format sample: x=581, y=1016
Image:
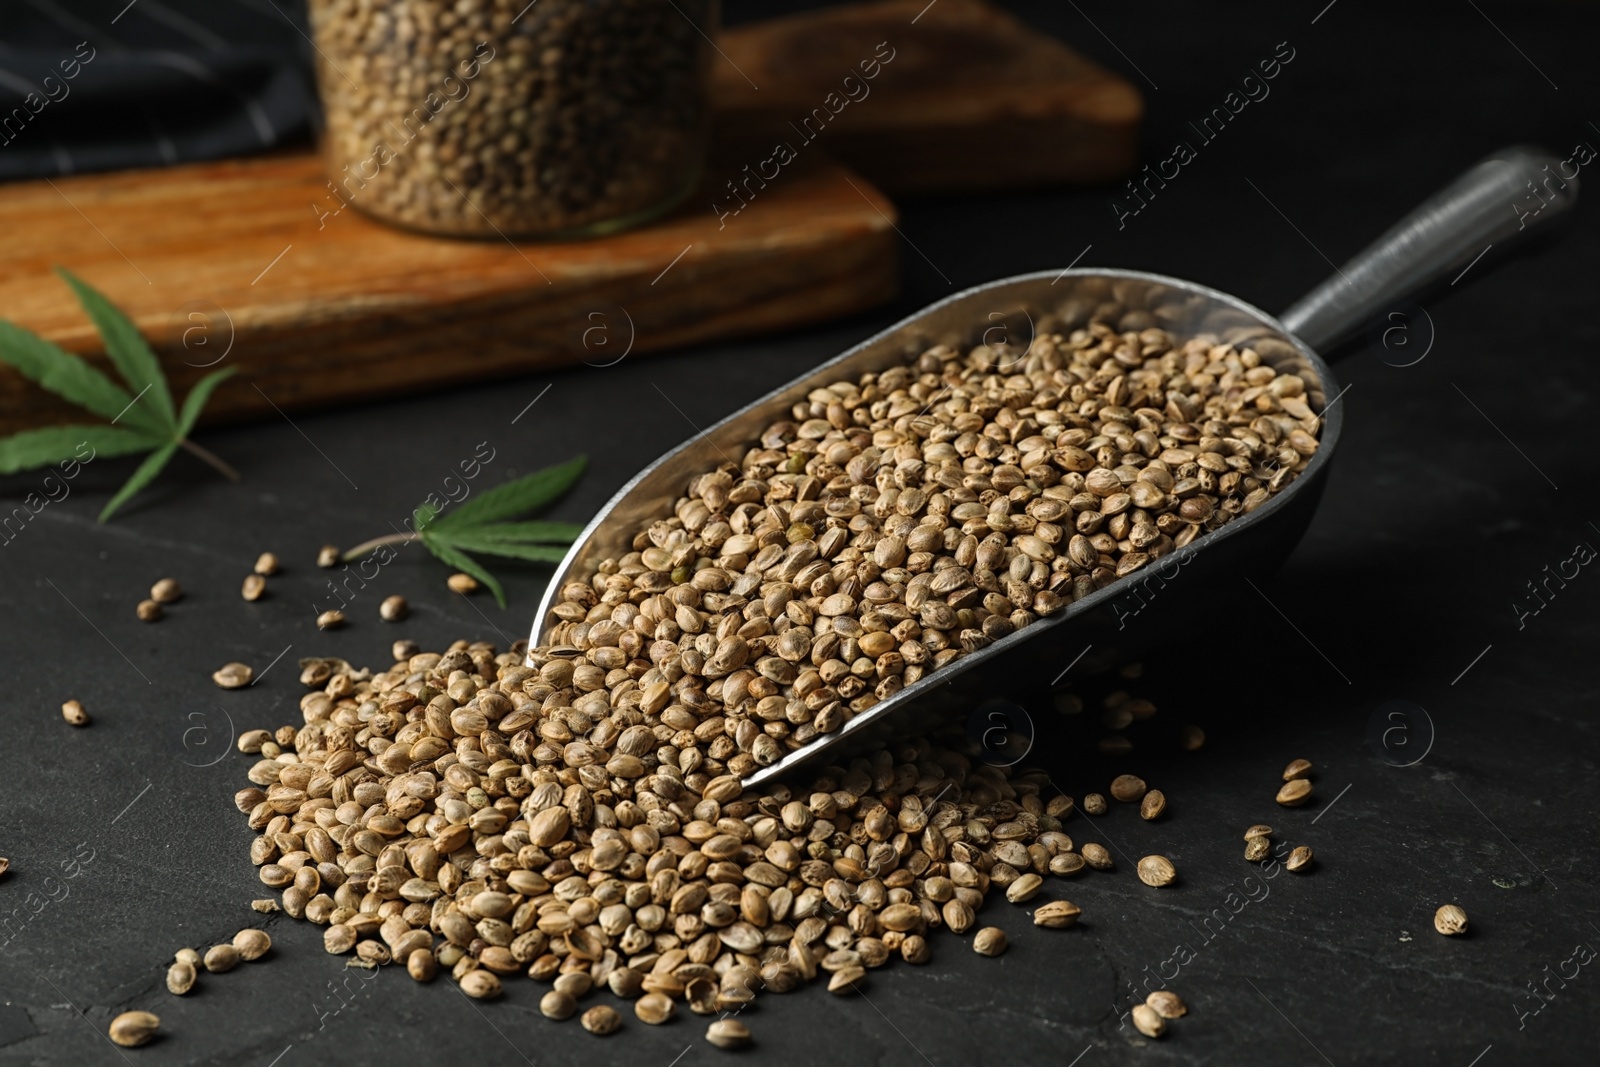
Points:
x=232, y=258
x=971, y=99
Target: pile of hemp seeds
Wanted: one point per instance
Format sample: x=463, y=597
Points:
x=574, y=812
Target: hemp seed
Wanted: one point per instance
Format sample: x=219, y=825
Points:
x=1024, y=888
x=462, y=583
x=653, y=1008
x=1157, y=871
x=1294, y=793
x=166, y=591
x=149, y=611
x=480, y=985
x=728, y=1033
x=600, y=1020
x=1066, y=863
x=1153, y=805
x=254, y=586
x=180, y=977
x=1148, y=1021
x=330, y=620
x=1257, y=849
x=990, y=941
x=1096, y=856
x=1450, y=920
x=266, y=564
x=252, y=944
x=1299, y=768
x=134, y=1028
x=1094, y=804
x=221, y=958
x=233, y=675
x=328, y=556
x=73, y=712
x=1299, y=859
x=393, y=609
x=1167, y=1004
x=1191, y=738
x=1057, y=915
x=558, y=1005
x=1127, y=788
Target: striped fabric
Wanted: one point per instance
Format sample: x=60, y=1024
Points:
x=89, y=85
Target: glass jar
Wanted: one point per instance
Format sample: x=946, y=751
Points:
x=550, y=118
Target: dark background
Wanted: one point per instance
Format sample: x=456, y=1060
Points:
x=1460, y=478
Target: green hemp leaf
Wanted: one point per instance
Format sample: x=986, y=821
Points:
x=143, y=420
x=478, y=526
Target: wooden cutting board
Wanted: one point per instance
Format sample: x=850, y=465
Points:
x=950, y=96
x=228, y=264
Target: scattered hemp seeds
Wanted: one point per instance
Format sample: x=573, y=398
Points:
x=1294, y=793
x=1450, y=920
x=221, y=958
x=73, y=712
x=654, y=1008
x=134, y=1028
x=252, y=944
x=558, y=1005
x=728, y=1033
x=1153, y=805
x=233, y=675
x=1157, y=871
x=166, y=591
x=267, y=565
x=478, y=984
x=1127, y=788
x=149, y=611
x=1148, y=1021
x=601, y=1019
x=1096, y=856
x=1056, y=915
x=990, y=941
x=253, y=588
x=393, y=609
x=328, y=556
x=575, y=812
x=1167, y=1004
x=462, y=583
x=180, y=977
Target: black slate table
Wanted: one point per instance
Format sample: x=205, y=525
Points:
x=1461, y=479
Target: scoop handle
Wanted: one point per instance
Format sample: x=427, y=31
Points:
x=1502, y=199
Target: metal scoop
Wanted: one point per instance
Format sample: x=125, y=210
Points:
x=1504, y=197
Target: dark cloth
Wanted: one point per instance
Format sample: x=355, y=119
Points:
x=88, y=85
